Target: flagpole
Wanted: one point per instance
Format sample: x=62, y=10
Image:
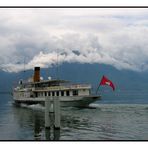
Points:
x=97, y=88
x=99, y=85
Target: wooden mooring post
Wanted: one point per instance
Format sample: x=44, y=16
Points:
x=52, y=106
x=47, y=110
x=56, y=105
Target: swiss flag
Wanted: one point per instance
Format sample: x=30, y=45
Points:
x=106, y=81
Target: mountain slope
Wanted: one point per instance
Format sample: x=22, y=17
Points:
x=82, y=73
x=130, y=85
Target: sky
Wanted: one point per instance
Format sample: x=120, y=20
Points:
x=47, y=36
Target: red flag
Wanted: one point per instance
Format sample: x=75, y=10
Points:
x=106, y=81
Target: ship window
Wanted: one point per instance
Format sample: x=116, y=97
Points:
x=62, y=93
x=53, y=93
x=48, y=93
x=40, y=94
x=57, y=93
x=75, y=92
x=67, y=93
x=36, y=94
x=45, y=93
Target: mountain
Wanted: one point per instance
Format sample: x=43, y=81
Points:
x=124, y=80
x=82, y=73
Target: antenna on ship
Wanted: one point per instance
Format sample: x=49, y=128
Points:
x=24, y=65
x=24, y=68
x=57, y=69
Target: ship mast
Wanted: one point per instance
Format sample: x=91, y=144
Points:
x=24, y=68
x=57, y=68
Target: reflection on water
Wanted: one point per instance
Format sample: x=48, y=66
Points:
x=103, y=122
x=47, y=134
x=37, y=127
x=30, y=119
x=35, y=119
x=52, y=134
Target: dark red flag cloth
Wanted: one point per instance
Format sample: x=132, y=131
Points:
x=106, y=81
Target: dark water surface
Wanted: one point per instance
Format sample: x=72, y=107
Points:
x=106, y=120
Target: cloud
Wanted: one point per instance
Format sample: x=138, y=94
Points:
x=43, y=37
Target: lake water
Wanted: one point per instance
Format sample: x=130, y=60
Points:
x=118, y=117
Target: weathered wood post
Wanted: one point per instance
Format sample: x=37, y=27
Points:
x=56, y=105
x=47, y=110
x=52, y=117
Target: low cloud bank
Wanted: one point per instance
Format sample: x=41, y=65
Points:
x=47, y=37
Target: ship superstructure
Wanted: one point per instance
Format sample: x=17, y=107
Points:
x=35, y=90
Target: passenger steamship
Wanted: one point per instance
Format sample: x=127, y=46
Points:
x=35, y=90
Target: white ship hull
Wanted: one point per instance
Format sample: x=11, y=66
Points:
x=71, y=101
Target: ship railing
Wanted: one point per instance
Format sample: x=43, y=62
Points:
x=60, y=87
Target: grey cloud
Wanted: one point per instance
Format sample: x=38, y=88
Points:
x=89, y=36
